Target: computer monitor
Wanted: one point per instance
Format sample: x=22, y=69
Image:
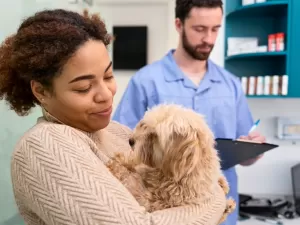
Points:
x=296, y=186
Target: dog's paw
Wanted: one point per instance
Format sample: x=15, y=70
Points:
x=112, y=165
x=115, y=162
x=119, y=157
x=224, y=184
x=230, y=206
x=125, y=160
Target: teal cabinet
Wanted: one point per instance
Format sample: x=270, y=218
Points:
x=258, y=21
x=293, y=58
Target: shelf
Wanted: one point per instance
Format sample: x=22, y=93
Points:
x=256, y=54
x=268, y=96
x=265, y=9
x=260, y=20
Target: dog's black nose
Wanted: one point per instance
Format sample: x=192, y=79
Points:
x=131, y=142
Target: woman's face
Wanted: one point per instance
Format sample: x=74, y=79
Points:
x=83, y=93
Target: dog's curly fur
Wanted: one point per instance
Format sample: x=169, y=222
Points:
x=173, y=162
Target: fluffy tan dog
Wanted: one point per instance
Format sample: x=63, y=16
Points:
x=173, y=163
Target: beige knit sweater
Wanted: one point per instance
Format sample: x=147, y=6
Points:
x=59, y=178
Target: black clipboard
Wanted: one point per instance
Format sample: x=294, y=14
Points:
x=234, y=152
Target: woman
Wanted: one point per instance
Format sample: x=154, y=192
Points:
x=58, y=60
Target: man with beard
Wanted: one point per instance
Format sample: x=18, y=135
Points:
x=187, y=77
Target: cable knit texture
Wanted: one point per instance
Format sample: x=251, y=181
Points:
x=59, y=178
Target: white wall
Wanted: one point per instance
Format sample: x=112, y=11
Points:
x=272, y=173
x=153, y=14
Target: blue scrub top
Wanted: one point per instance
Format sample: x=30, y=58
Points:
x=219, y=97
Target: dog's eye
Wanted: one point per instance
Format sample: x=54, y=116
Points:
x=131, y=142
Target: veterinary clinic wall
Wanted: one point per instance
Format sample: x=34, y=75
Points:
x=126, y=13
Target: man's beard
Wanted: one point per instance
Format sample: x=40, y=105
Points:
x=192, y=50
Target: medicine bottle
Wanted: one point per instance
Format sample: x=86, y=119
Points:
x=280, y=42
x=272, y=43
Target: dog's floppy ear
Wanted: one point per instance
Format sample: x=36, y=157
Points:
x=181, y=156
x=145, y=153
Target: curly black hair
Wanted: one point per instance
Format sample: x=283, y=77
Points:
x=39, y=49
x=183, y=7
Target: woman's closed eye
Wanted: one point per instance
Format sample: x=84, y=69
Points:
x=109, y=77
x=84, y=90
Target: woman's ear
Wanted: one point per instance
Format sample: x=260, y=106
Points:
x=39, y=92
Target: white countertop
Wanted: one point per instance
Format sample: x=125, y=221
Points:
x=257, y=222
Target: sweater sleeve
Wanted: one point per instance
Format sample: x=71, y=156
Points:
x=61, y=181
x=119, y=130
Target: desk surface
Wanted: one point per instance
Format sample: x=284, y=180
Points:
x=257, y=222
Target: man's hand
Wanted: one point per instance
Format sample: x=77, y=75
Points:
x=257, y=137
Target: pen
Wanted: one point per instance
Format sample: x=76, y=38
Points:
x=254, y=126
x=270, y=221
